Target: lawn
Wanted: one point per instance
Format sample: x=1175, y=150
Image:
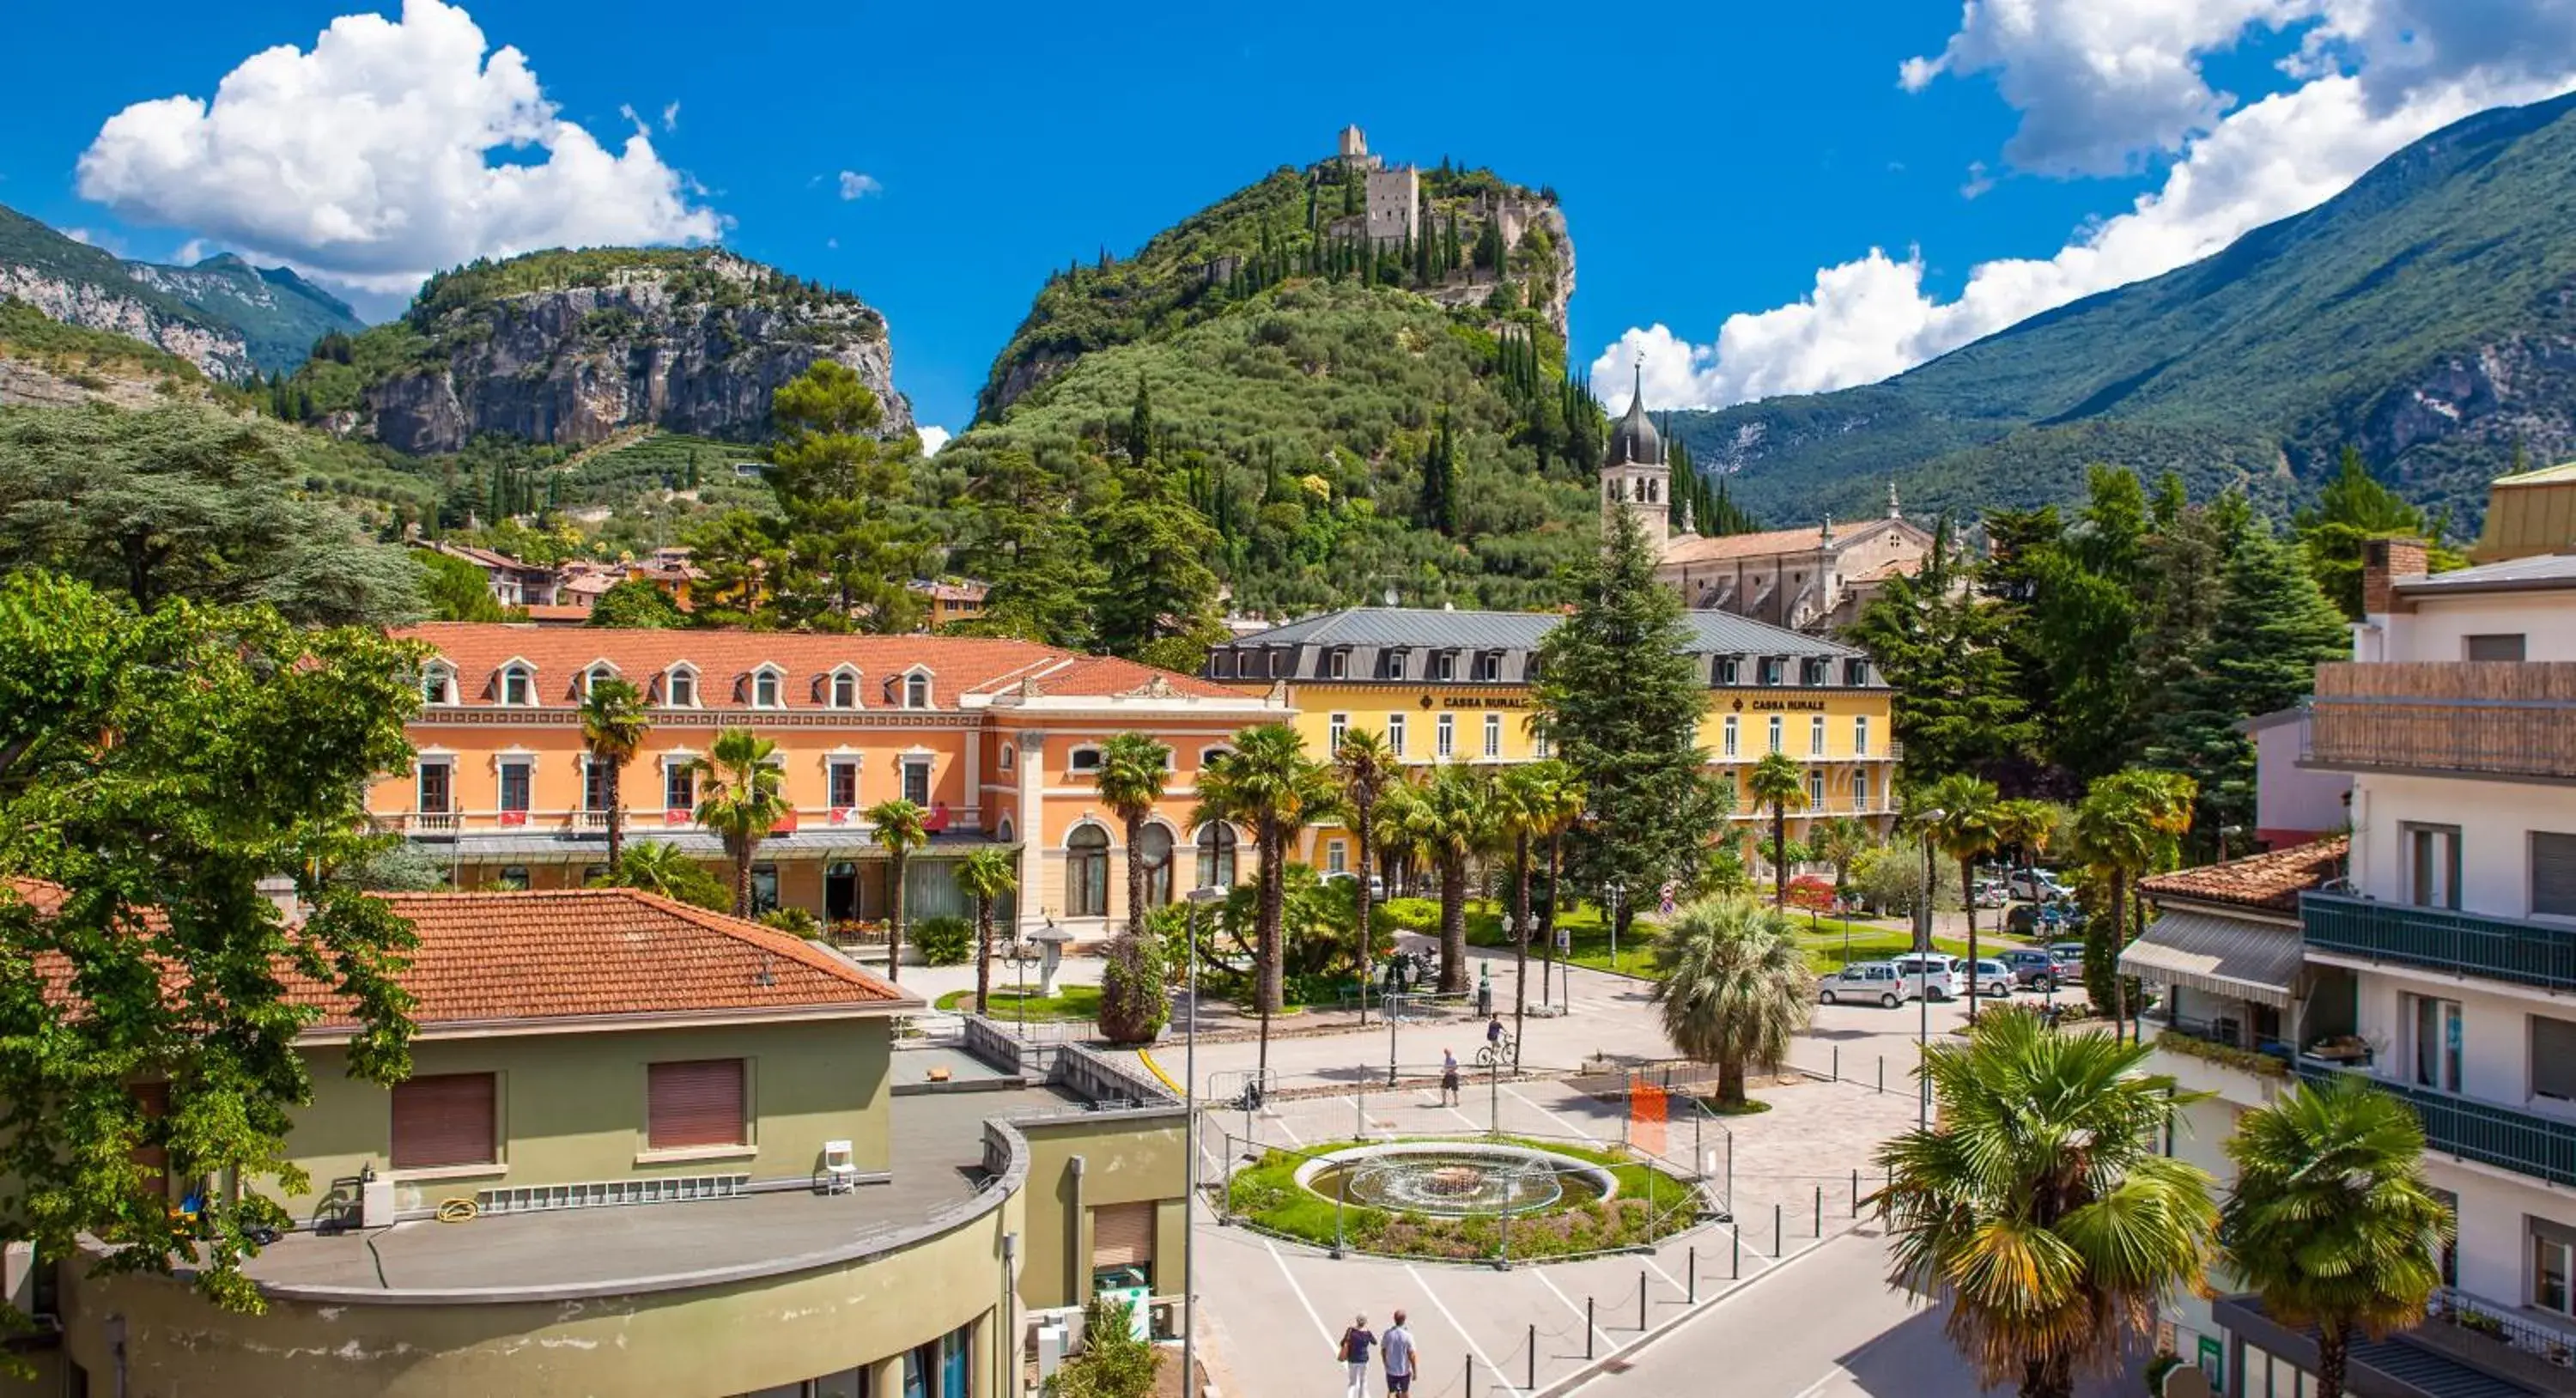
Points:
x=1069, y=1002
x=1822, y=938
x=1827, y=950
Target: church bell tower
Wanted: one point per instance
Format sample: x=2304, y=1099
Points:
x=1634, y=476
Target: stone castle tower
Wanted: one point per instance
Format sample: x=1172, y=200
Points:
x=1634, y=474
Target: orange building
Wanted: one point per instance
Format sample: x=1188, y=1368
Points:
x=998, y=739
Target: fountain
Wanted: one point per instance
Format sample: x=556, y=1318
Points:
x=1456, y=1179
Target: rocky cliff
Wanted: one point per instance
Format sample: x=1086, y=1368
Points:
x=569, y=348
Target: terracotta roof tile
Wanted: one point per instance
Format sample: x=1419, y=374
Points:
x=959, y=665
x=2272, y=880
x=1769, y=541
x=580, y=954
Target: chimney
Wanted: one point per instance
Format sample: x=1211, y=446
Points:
x=2384, y=562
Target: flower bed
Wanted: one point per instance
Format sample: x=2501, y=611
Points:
x=1650, y=1204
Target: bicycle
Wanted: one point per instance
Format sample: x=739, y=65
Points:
x=1497, y=1053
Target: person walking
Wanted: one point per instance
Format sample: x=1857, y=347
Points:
x=1448, y=1079
x=1402, y=1361
x=1356, y=1343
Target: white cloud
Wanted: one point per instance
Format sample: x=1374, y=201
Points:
x=932, y=438
x=367, y=159
x=2377, y=74
x=671, y=117
x=857, y=186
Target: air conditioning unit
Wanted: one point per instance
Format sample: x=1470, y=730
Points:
x=1055, y=1341
x=376, y=1203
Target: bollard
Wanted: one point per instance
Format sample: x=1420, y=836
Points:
x=1820, y=1211
x=1471, y=1376
x=1589, y=1329
x=1838, y=1063
x=1855, y=1193
x=1694, y=1274
x=1532, y=1385
x=1882, y=1074
x=1775, y=1230
x=1735, y=1264
x=1641, y=1302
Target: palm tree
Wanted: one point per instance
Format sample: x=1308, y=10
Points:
x=2129, y=824
x=900, y=827
x=1965, y=831
x=1452, y=817
x=656, y=867
x=1734, y=987
x=1561, y=805
x=1840, y=842
x=1268, y=783
x=613, y=725
x=1132, y=768
x=1526, y=802
x=2040, y=1209
x=2331, y=1221
x=1776, y=782
x=2024, y=826
x=986, y=876
x=1366, y=767
x=741, y=797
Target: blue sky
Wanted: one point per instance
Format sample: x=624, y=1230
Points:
x=1716, y=160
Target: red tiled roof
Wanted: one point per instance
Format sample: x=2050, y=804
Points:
x=2273, y=880
x=958, y=665
x=557, y=613
x=1767, y=542
x=577, y=954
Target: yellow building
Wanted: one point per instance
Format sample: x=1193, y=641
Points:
x=1450, y=686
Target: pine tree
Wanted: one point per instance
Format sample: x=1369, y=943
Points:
x=1140, y=426
x=1621, y=704
x=1957, y=706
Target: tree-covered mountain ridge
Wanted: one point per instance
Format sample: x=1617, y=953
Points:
x=1346, y=418
x=2426, y=314
x=1481, y=237
x=231, y=320
x=571, y=347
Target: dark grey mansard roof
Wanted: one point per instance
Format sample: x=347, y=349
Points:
x=1712, y=632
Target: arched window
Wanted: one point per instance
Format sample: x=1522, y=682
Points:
x=916, y=692
x=598, y=675
x=1086, y=872
x=438, y=685
x=1153, y=849
x=680, y=690
x=1216, y=855
x=1208, y=756
x=1010, y=755
x=518, y=686
x=845, y=690
x=1004, y=833
x=764, y=690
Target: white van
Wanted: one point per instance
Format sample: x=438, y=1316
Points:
x=1865, y=981
x=1942, y=977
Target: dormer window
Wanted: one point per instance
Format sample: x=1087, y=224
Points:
x=680, y=689
x=845, y=689
x=916, y=691
x=1220, y=664
x=1729, y=669
x=438, y=685
x=1489, y=666
x=1391, y=665
x=1444, y=665
x=518, y=686
x=764, y=689
x=1337, y=664
x=1856, y=672
x=596, y=676
x=1772, y=668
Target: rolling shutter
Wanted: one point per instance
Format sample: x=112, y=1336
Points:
x=1122, y=1235
x=444, y=1119
x=2553, y=874
x=697, y=1103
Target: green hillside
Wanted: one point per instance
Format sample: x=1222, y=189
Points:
x=2421, y=314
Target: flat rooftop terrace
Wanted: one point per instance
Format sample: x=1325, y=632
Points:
x=937, y=1164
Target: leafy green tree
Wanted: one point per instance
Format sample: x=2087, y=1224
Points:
x=2351, y=509
x=637, y=604
x=154, y=767
x=1133, y=768
x=2128, y=826
x=456, y=589
x=1840, y=841
x=1267, y=782
x=189, y=501
x=1942, y=648
x=613, y=724
x=2026, y=826
x=2041, y=1212
x=661, y=868
x=1365, y=767
x=741, y=797
x=1531, y=799
x=1158, y=604
x=986, y=876
x=1777, y=782
x=1452, y=819
x=900, y=828
x=2331, y=1221
x=399, y=867
x=1618, y=699
x=1965, y=831
x=1734, y=988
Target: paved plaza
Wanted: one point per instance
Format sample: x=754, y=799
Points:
x=1785, y=1295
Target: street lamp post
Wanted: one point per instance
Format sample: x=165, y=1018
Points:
x=1197, y=897
x=1923, y=967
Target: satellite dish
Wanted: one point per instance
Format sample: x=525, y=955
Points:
x=1391, y=597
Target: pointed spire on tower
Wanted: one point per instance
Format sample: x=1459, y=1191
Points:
x=1827, y=533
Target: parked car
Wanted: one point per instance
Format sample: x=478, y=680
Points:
x=2070, y=959
x=2032, y=967
x=1867, y=981
x=1992, y=895
x=2037, y=886
x=1942, y=977
x=1994, y=979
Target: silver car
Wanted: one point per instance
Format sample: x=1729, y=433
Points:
x=1864, y=981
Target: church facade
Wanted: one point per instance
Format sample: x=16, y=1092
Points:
x=1813, y=580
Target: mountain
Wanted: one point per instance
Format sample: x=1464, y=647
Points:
x=1350, y=418
x=2427, y=314
x=230, y=319
x=569, y=348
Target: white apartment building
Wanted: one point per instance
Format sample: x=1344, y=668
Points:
x=2443, y=963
